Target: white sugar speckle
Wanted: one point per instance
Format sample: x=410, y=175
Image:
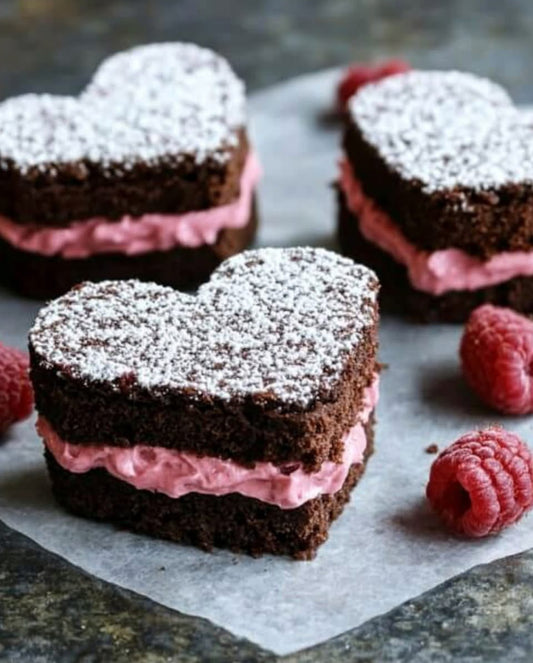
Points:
x=446, y=130
x=277, y=321
x=151, y=103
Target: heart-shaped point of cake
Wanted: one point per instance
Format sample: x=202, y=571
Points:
x=151, y=104
x=272, y=325
x=446, y=130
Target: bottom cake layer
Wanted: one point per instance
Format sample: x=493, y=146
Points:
x=46, y=277
x=239, y=523
x=399, y=296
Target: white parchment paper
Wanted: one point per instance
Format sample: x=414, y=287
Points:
x=387, y=546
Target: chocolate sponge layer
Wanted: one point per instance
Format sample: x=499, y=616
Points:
x=74, y=192
x=239, y=523
x=246, y=432
x=481, y=222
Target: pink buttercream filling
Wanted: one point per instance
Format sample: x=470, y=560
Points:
x=435, y=272
x=135, y=235
x=176, y=473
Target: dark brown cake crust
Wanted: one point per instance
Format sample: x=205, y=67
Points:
x=397, y=294
x=239, y=523
x=46, y=277
x=482, y=223
x=81, y=191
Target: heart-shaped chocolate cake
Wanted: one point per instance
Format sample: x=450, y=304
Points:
x=436, y=191
x=227, y=418
x=146, y=174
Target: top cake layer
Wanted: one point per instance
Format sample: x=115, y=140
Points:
x=446, y=130
x=271, y=324
x=270, y=361
x=160, y=128
x=449, y=157
x=151, y=103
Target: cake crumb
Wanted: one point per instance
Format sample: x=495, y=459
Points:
x=432, y=449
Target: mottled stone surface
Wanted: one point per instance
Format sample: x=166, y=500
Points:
x=483, y=615
x=51, y=611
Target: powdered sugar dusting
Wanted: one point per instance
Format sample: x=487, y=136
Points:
x=43, y=131
x=184, y=97
x=151, y=103
x=446, y=130
x=272, y=322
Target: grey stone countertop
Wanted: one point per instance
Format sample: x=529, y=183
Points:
x=52, y=611
x=54, y=45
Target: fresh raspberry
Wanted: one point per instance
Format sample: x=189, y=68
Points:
x=16, y=393
x=497, y=358
x=358, y=75
x=482, y=483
